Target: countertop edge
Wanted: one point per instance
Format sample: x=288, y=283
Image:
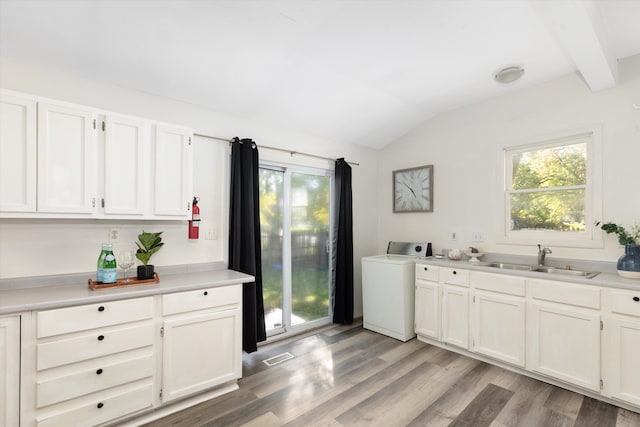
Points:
x=603, y=279
x=14, y=301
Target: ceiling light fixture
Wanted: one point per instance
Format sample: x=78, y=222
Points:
x=508, y=75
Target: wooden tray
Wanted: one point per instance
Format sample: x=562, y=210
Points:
x=120, y=283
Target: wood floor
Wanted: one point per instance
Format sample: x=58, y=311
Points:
x=348, y=376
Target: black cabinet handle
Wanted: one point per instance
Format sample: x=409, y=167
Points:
x=99, y=371
x=636, y=299
x=425, y=269
x=100, y=405
x=206, y=293
x=100, y=337
x=455, y=272
x=101, y=308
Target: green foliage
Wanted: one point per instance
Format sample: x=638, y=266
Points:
x=149, y=244
x=541, y=200
x=624, y=237
x=310, y=299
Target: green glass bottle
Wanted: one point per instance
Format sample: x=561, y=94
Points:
x=100, y=272
x=110, y=266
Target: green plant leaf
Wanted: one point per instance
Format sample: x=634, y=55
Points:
x=149, y=244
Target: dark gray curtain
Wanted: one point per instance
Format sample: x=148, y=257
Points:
x=343, y=246
x=244, y=238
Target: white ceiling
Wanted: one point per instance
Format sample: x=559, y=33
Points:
x=356, y=71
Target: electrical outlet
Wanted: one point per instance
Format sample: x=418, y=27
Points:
x=478, y=236
x=454, y=236
x=114, y=235
x=211, y=234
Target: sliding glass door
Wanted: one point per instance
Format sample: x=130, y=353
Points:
x=295, y=218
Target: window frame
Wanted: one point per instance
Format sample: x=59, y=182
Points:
x=591, y=237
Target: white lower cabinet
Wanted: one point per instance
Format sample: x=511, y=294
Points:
x=498, y=321
x=9, y=371
x=455, y=306
x=202, y=340
x=455, y=316
x=621, y=366
x=585, y=336
x=564, y=332
x=103, y=363
x=499, y=327
x=427, y=313
x=565, y=344
x=93, y=363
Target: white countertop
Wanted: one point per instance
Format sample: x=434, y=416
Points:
x=605, y=279
x=15, y=300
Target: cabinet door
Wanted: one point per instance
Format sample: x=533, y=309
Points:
x=565, y=343
x=499, y=327
x=427, y=313
x=66, y=160
x=455, y=316
x=200, y=351
x=9, y=371
x=17, y=154
x=172, y=172
x=622, y=376
x=125, y=167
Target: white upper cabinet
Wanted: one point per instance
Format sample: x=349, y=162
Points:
x=172, y=172
x=66, y=159
x=60, y=160
x=17, y=154
x=125, y=168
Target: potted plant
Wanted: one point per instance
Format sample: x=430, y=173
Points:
x=149, y=244
x=629, y=263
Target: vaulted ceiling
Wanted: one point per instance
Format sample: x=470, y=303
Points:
x=363, y=72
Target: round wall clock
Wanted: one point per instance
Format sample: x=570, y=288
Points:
x=413, y=189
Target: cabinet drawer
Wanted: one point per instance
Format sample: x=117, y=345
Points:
x=454, y=276
x=427, y=272
x=625, y=302
x=201, y=299
x=90, y=316
x=105, y=407
x=89, y=346
x=499, y=283
x=100, y=377
x=565, y=293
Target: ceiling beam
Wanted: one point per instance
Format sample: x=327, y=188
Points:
x=577, y=28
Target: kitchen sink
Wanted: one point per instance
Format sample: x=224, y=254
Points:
x=543, y=269
x=506, y=266
x=565, y=272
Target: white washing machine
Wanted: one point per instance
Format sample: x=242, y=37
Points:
x=388, y=289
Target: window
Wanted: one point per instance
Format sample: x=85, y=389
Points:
x=552, y=191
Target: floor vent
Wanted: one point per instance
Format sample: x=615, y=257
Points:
x=278, y=359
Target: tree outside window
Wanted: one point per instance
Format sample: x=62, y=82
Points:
x=550, y=190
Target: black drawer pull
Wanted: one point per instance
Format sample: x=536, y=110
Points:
x=455, y=272
x=99, y=371
x=100, y=405
x=636, y=299
x=206, y=293
x=100, y=337
x=101, y=308
x=425, y=269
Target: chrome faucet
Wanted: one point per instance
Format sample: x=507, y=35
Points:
x=542, y=252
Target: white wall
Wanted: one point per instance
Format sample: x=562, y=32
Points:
x=464, y=146
x=45, y=247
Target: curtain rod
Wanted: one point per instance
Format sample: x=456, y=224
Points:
x=291, y=152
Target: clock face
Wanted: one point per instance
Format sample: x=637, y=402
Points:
x=412, y=189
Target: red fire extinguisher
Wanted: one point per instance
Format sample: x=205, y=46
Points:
x=194, y=223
